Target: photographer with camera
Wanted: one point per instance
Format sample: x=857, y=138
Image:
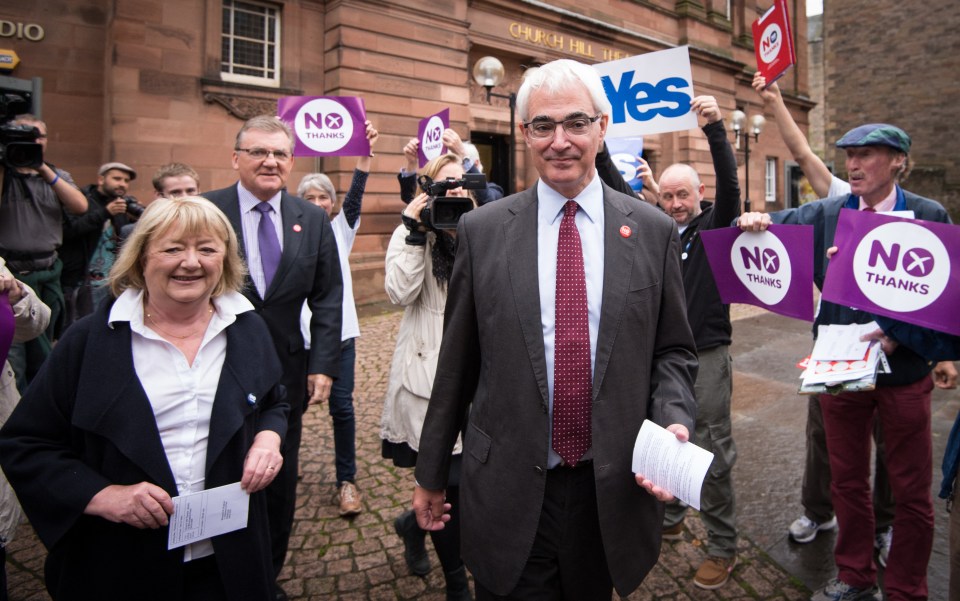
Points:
x=455, y=145
x=91, y=240
x=34, y=199
x=418, y=265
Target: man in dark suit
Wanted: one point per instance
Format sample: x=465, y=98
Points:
x=292, y=257
x=565, y=328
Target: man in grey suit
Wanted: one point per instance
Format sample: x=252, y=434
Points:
x=565, y=329
x=292, y=256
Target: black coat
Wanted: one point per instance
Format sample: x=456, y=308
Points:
x=86, y=423
x=309, y=271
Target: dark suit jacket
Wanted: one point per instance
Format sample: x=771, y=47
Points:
x=309, y=270
x=493, y=356
x=86, y=423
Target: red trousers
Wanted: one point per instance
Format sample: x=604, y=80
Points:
x=904, y=413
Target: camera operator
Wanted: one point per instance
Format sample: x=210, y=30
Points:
x=32, y=204
x=91, y=240
x=418, y=265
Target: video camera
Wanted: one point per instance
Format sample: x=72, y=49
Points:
x=18, y=143
x=443, y=212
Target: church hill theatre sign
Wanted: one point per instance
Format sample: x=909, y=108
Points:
x=562, y=43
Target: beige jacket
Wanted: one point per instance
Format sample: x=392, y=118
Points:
x=31, y=317
x=409, y=282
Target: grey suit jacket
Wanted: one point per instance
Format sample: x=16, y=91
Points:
x=492, y=362
x=309, y=270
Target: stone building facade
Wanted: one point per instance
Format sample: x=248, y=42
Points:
x=900, y=67
x=148, y=81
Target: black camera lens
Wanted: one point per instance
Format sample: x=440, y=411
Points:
x=21, y=154
x=134, y=208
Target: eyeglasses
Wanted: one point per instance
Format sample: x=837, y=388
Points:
x=261, y=154
x=576, y=126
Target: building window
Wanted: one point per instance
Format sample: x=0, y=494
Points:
x=250, y=43
x=770, y=181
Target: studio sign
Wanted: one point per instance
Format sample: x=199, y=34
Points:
x=901, y=266
x=21, y=31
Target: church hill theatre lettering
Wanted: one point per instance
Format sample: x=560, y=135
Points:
x=556, y=41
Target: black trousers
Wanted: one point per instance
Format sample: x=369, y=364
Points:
x=567, y=562
x=282, y=492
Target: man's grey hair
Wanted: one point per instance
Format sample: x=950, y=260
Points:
x=265, y=123
x=562, y=75
x=471, y=151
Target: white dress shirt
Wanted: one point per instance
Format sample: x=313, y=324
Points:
x=181, y=394
x=589, y=221
x=250, y=219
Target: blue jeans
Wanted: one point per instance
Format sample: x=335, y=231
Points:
x=341, y=410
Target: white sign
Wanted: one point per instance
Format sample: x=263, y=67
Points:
x=901, y=266
x=650, y=93
x=762, y=264
x=324, y=125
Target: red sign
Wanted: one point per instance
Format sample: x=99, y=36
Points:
x=773, y=42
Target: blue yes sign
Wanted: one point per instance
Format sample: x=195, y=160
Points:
x=643, y=101
x=649, y=93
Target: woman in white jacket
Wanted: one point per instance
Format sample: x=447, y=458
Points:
x=419, y=262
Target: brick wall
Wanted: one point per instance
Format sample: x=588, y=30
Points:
x=897, y=62
x=138, y=80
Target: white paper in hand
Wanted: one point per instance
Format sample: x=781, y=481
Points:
x=678, y=467
x=207, y=513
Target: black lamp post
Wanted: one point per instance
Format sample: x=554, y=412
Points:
x=737, y=120
x=488, y=72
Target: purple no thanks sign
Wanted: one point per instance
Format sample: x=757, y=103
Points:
x=326, y=125
x=430, y=134
x=906, y=269
x=771, y=269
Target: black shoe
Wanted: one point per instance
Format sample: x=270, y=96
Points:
x=279, y=594
x=458, y=589
x=414, y=543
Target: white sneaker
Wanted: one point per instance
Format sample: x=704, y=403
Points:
x=882, y=544
x=804, y=530
x=837, y=590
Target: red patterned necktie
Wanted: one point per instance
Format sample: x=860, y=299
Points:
x=572, y=388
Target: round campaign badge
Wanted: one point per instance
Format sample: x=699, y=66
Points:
x=901, y=266
x=625, y=231
x=762, y=265
x=432, y=142
x=770, y=42
x=324, y=125
x=296, y=227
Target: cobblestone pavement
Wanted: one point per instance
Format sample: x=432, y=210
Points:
x=334, y=558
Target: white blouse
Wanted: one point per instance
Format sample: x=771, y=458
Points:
x=181, y=394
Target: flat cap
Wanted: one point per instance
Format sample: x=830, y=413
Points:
x=876, y=134
x=120, y=166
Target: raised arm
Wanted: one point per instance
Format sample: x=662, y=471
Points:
x=813, y=167
x=727, y=203
x=353, y=200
